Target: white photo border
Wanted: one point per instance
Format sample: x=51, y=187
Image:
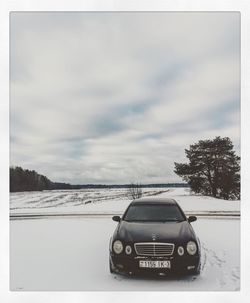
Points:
x=119, y=5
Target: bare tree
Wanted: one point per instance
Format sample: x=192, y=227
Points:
x=134, y=191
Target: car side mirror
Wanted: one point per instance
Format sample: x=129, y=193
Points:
x=192, y=219
x=116, y=218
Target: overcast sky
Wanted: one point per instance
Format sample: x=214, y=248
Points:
x=117, y=97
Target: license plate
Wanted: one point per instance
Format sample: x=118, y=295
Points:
x=154, y=264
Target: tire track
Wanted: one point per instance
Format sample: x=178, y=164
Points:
x=214, y=264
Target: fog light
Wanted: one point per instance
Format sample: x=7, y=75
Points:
x=128, y=250
x=180, y=251
x=191, y=267
x=119, y=266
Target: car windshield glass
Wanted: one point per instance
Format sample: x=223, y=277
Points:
x=154, y=212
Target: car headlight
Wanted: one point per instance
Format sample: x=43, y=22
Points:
x=128, y=249
x=180, y=251
x=117, y=247
x=191, y=248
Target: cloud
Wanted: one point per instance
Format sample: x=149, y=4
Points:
x=116, y=97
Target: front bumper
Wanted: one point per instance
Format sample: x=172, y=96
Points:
x=127, y=264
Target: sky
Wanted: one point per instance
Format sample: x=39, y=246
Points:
x=117, y=97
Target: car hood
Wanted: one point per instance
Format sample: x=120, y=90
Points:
x=161, y=231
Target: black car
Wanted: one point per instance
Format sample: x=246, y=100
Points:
x=155, y=236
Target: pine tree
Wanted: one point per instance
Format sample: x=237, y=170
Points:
x=213, y=168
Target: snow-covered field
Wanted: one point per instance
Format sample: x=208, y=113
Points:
x=106, y=201
x=72, y=253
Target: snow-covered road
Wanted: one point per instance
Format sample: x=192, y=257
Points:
x=72, y=254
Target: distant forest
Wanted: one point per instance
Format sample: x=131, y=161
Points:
x=29, y=180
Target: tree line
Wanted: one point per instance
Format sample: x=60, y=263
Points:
x=29, y=180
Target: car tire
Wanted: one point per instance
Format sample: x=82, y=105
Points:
x=197, y=271
x=111, y=269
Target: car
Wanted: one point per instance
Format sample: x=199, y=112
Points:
x=154, y=236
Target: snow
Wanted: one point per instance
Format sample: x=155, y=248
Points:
x=65, y=253
x=72, y=254
x=106, y=201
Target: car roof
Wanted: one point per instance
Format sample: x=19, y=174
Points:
x=153, y=200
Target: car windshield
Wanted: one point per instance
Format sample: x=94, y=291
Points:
x=154, y=213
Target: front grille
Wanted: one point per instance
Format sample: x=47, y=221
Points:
x=154, y=249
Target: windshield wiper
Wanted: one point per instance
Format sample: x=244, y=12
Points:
x=135, y=220
x=169, y=220
x=146, y=220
